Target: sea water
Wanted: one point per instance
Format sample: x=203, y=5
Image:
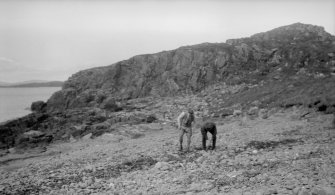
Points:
x=16, y=102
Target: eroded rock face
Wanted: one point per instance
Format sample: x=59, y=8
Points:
x=271, y=55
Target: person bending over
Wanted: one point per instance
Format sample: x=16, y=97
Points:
x=208, y=127
x=185, y=120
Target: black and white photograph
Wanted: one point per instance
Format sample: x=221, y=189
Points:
x=167, y=97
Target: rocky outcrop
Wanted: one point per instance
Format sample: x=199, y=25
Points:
x=38, y=129
x=272, y=55
x=38, y=106
x=10, y=131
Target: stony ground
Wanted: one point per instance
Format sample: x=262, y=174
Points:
x=282, y=154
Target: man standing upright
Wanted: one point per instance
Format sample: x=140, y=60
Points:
x=185, y=120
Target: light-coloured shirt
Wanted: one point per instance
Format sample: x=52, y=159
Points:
x=185, y=120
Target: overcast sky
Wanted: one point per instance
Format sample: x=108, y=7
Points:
x=51, y=40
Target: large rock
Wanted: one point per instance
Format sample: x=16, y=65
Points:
x=226, y=112
x=38, y=106
x=33, y=134
x=151, y=118
x=111, y=105
x=253, y=111
x=263, y=113
x=163, y=166
x=237, y=112
x=87, y=137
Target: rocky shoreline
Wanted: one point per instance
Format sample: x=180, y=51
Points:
x=217, y=101
x=283, y=154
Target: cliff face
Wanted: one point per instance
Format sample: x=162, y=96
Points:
x=276, y=54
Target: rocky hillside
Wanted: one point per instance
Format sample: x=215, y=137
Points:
x=289, y=66
x=297, y=49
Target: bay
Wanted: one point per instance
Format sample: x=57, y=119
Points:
x=16, y=102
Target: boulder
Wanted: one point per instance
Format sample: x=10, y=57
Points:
x=151, y=118
x=263, y=113
x=78, y=130
x=216, y=115
x=237, y=112
x=33, y=134
x=11, y=150
x=110, y=104
x=38, y=106
x=87, y=137
x=100, y=128
x=226, y=112
x=163, y=166
x=253, y=111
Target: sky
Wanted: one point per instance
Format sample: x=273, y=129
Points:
x=51, y=40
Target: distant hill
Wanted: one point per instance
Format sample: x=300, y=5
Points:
x=4, y=83
x=33, y=83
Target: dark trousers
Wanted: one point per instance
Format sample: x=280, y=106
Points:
x=211, y=128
